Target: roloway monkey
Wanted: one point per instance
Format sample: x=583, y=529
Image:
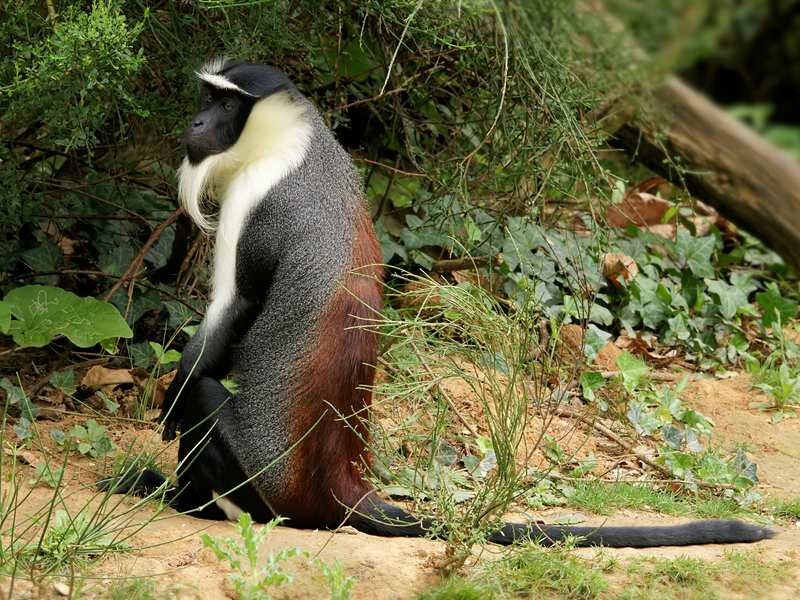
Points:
x=296, y=278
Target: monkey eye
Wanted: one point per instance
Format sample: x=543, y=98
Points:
x=208, y=98
x=227, y=106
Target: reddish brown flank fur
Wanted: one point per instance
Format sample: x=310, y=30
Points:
x=325, y=468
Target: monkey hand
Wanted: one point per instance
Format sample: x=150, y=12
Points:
x=172, y=409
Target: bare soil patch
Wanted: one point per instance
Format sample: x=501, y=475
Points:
x=173, y=553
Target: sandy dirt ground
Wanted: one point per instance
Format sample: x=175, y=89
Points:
x=171, y=549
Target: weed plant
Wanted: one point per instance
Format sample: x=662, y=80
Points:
x=462, y=340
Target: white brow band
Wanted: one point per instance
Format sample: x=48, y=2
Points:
x=221, y=83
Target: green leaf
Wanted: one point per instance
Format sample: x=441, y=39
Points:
x=673, y=436
x=590, y=381
x=117, y=261
x=642, y=421
x=5, y=316
x=692, y=290
x=774, y=305
x=692, y=442
x=745, y=469
x=45, y=257
x=595, y=340
x=697, y=253
x=143, y=300
x=698, y=422
x=679, y=463
x=158, y=254
x=730, y=298
x=678, y=328
x=79, y=431
x=15, y=392
x=443, y=454
x=141, y=352
x=631, y=369
x=166, y=357
x=44, y=312
x=104, y=446
x=111, y=406
x=64, y=381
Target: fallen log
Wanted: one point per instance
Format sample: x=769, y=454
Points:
x=691, y=142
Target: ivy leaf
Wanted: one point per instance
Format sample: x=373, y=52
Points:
x=631, y=370
x=644, y=422
x=64, y=381
x=443, y=454
x=678, y=328
x=692, y=290
x=116, y=261
x=730, y=298
x=590, y=381
x=680, y=463
x=697, y=253
x=673, y=436
x=774, y=306
x=692, y=442
x=44, y=257
x=15, y=392
x=600, y=314
x=141, y=353
x=158, y=254
x=143, y=300
x=745, y=469
x=595, y=340
x=44, y=312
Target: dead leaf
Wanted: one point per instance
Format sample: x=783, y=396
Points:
x=67, y=245
x=100, y=376
x=26, y=458
x=55, y=236
x=638, y=209
x=615, y=265
x=146, y=385
x=633, y=345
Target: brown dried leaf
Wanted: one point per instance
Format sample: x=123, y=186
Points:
x=100, y=376
x=142, y=380
x=638, y=209
x=633, y=345
x=615, y=265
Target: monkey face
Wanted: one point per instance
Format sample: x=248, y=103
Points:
x=218, y=124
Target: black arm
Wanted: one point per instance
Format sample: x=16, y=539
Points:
x=208, y=354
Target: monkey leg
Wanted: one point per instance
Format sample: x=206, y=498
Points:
x=208, y=467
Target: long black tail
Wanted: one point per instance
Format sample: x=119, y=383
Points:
x=375, y=517
x=381, y=518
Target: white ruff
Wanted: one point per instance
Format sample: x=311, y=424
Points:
x=231, y=511
x=273, y=143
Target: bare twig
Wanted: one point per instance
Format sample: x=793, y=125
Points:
x=447, y=399
x=137, y=260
